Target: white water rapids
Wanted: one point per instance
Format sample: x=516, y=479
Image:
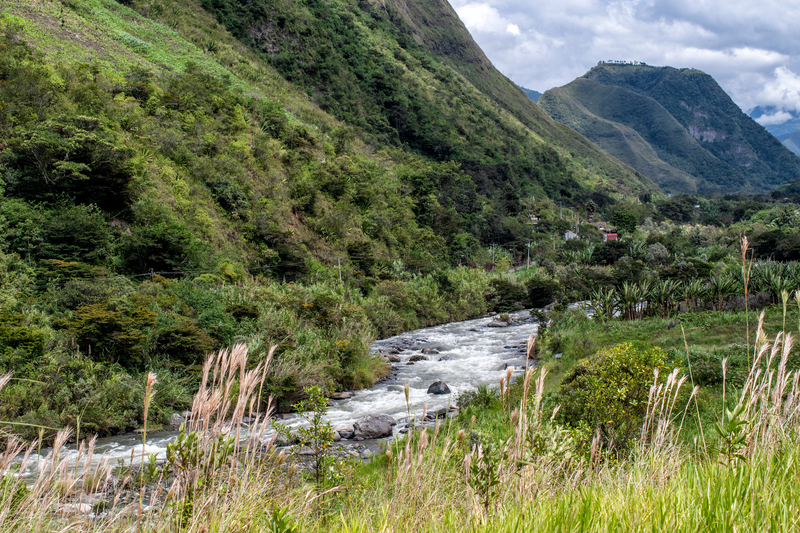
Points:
x=473, y=354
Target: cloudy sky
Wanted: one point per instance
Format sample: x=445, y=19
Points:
x=751, y=47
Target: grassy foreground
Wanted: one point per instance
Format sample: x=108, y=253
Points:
x=504, y=465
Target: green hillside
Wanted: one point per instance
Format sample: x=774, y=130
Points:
x=623, y=142
x=408, y=73
x=170, y=188
x=699, y=140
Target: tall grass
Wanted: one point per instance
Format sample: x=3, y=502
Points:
x=514, y=469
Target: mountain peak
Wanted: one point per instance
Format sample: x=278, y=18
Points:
x=676, y=126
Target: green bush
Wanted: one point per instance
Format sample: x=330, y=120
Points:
x=112, y=331
x=506, y=296
x=184, y=342
x=609, y=392
x=542, y=291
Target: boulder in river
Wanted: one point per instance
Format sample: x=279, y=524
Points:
x=445, y=358
x=344, y=433
x=176, y=420
x=342, y=396
x=373, y=427
x=439, y=387
x=393, y=358
x=430, y=351
x=497, y=324
x=415, y=358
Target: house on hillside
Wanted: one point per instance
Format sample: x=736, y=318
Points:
x=569, y=235
x=609, y=234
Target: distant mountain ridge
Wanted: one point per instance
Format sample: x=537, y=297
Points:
x=533, y=95
x=675, y=126
x=787, y=131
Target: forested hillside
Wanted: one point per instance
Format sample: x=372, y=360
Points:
x=678, y=127
x=170, y=187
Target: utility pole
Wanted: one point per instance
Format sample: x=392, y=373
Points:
x=529, y=255
x=560, y=211
x=339, y=264
x=493, y=245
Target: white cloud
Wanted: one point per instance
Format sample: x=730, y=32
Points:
x=777, y=118
x=751, y=48
x=783, y=91
x=483, y=18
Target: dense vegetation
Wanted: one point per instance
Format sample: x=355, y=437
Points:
x=151, y=215
x=305, y=177
x=678, y=127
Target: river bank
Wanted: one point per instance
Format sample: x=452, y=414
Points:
x=464, y=355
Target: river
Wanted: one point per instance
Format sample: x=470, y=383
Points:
x=471, y=354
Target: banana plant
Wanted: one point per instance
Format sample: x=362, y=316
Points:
x=719, y=288
x=605, y=303
x=664, y=293
x=691, y=292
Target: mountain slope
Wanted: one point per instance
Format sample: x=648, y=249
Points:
x=787, y=130
x=408, y=73
x=621, y=141
x=691, y=124
x=791, y=141
x=435, y=24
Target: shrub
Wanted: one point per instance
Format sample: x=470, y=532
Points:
x=506, y=296
x=609, y=391
x=185, y=342
x=541, y=291
x=483, y=398
x=112, y=332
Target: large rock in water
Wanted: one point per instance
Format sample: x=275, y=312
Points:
x=373, y=427
x=439, y=387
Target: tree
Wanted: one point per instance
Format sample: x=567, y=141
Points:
x=318, y=435
x=590, y=209
x=624, y=220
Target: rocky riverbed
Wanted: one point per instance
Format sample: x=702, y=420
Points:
x=451, y=358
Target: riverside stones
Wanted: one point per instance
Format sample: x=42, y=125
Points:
x=415, y=358
x=498, y=324
x=438, y=387
x=373, y=427
x=345, y=433
x=176, y=420
x=430, y=351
